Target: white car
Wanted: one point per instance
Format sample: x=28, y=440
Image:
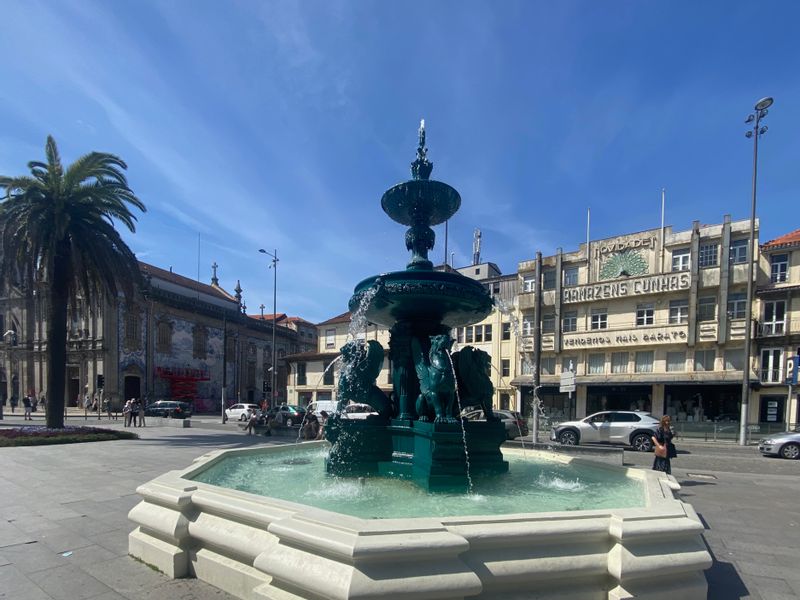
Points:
x=241, y=412
x=358, y=411
x=785, y=444
x=631, y=428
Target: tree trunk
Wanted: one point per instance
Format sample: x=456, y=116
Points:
x=57, y=336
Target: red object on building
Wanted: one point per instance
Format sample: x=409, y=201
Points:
x=182, y=382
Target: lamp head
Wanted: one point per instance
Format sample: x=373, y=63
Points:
x=764, y=103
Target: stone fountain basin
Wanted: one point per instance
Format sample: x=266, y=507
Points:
x=259, y=547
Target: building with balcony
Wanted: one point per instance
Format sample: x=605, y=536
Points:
x=653, y=321
x=777, y=332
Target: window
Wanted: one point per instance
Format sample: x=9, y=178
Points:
x=250, y=375
x=599, y=318
x=548, y=323
x=570, y=321
x=505, y=367
x=678, y=312
x=460, y=335
x=478, y=271
x=644, y=362
x=330, y=338
x=570, y=276
x=468, y=337
x=645, y=314
x=199, y=341
x=707, y=256
x=133, y=332
x=704, y=360
x=774, y=317
x=478, y=334
x=738, y=251
x=779, y=264
x=549, y=279
x=567, y=362
x=327, y=378
x=164, y=337
x=771, y=365
x=676, y=361
x=680, y=259
x=505, y=401
x=597, y=364
x=301, y=374
x=495, y=288
x=734, y=360
x=527, y=325
x=737, y=305
x=619, y=362
x=548, y=365
x=506, y=334
x=528, y=283
x=487, y=333
x=707, y=309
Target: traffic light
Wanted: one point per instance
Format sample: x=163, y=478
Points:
x=265, y=386
x=101, y=381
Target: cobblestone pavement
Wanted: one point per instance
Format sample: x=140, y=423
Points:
x=64, y=526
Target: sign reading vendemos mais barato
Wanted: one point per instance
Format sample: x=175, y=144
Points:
x=657, y=284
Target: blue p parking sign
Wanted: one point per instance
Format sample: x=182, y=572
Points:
x=791, y=369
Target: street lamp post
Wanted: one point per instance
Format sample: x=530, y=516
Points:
x=274, y=267
x=757, y=131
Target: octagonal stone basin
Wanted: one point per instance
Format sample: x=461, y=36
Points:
x=254, y=546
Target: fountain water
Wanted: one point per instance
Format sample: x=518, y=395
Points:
x=271, y=542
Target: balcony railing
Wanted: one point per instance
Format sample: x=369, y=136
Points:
x=776, y=328
x=771, y=375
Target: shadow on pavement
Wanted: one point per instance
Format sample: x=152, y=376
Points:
x=723, y=581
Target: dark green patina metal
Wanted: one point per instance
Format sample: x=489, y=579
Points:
x=418, y=434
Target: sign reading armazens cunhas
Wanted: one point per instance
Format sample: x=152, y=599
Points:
x=657, y=284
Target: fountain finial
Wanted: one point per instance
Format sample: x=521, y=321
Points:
x=422, y=167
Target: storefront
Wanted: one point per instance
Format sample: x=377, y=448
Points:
x=698, y=403
x=618, y=397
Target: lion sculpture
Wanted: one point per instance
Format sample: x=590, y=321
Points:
x=361, y=364
x=436, y=380
x=472, y=376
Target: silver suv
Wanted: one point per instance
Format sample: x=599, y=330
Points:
x=631, y=428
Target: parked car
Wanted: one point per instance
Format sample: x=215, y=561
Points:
x=514, y=423
x=287, y=414
x=627, y=427
x=358, y=411
x=169, y=408
x=241, y=412
x=785, y=445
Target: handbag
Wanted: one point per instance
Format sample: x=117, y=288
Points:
x=661, y=450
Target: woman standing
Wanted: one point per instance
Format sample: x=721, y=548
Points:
x=663, y=439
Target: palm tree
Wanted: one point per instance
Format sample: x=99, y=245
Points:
x=58, y=227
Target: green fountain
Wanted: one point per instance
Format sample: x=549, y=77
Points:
x=418, y=433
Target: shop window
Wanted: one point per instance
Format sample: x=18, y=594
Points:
x=570, y=276
x=619, y=362
x=548, y=323
x=737, y=305
x=734, y=360
x=676, y=361
x=599, y=318
x=597, y=364
x=707, y=309
x=707, y=256
x=771, y=365
x=506, y=333
x=645, y=314
x=738, y=251
x=779, y=265
x=704, y=360
x=680, y=259
x=570, y=321
x=567, y=362
x=678, y=312
x=644, y=362
x=505, y=367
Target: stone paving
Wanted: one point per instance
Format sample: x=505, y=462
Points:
x=64, y=526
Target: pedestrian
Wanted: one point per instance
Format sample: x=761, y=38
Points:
x=107, y=402
x=14, y=403
x=322, y=422
x=310, y=427
x=126, y=412
x=142, y=406
x=43, y=403
x=663, y=447
x=251, y=422
x=26, y=404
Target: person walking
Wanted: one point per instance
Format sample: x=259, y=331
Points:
x=14, y=403
x=251, y=422
x=664, y=449
x=27, y=405
x=142, y=406
x=126, y=413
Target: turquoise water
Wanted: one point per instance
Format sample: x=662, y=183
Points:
x=531, y=485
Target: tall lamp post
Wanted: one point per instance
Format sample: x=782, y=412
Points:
x=274, y=267
x=757, y=131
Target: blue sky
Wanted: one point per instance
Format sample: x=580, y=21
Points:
x=279, y=125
